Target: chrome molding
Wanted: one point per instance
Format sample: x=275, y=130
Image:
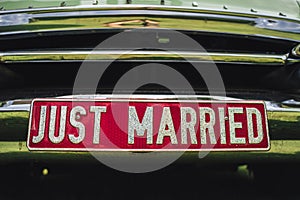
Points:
x=142, y=7
x=291, y=103
x=164, y=17
x=281, y=150
x=15, y=105
x=281, y=107
x=24, y=105
x=296, y=51
x=177, y=56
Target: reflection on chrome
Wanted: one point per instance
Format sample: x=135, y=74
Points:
x=177, y=56
x=296, y=51
x=289, y=105
x=166, y=17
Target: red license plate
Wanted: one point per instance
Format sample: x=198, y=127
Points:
x=147, y=125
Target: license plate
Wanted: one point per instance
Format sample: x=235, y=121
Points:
x=147, y=125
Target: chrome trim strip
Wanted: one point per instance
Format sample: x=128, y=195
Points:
x=24, y=105
x=158, y=13
x=165, y=17
x=69, y=55
x=291, y=103
x=279, y=107
x=280, y=150
x=145, y=7
x=296, y=51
